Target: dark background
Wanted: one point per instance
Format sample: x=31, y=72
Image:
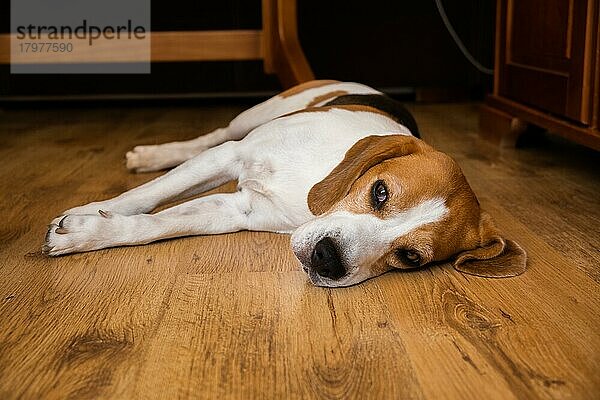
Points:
x=398, y=46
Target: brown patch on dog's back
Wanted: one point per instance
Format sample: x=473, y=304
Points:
x=305, y=86
x=325, y=97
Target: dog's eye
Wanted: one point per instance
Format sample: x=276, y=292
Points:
x=409, y=257
x=379, y=194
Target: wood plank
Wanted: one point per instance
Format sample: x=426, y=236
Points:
x=165, y=47
x=207, y=45
x=233, y=349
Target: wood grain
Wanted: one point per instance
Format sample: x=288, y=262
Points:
x=232, y=316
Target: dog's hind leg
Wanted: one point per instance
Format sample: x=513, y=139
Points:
x=206, y=171
x=157, y=157
x=219, y=213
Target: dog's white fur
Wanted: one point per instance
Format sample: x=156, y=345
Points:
x=276, y=162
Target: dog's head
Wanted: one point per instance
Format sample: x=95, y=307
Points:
x=396, y=203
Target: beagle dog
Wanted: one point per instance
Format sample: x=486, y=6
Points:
x=337, y=165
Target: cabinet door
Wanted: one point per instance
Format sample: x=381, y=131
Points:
x=544, y=54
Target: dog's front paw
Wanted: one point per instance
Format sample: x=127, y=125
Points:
x=77, y=233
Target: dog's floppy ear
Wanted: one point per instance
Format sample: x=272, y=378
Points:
x=365, y=154
x=496, y=257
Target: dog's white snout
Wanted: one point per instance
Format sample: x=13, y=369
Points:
x=302, y=246
x=305, y=239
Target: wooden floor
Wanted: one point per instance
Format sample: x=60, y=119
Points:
x=233, y=316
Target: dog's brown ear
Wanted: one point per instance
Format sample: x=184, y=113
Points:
x=365, y=154
x=496, y=257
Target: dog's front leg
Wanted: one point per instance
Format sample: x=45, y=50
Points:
x=219, y=213
x=206, y=171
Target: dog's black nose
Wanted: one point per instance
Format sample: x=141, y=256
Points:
x=325, y=260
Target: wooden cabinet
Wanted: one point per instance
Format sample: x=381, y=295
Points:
x=546, y=70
